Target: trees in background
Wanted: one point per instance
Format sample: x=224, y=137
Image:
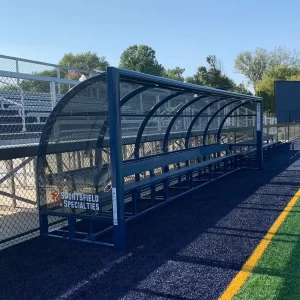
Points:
x=85, y=61
x=211, y=75
x=242, y=89
x=254, y=66
x=141, y=58
x=282, y=72
x=176, y=73
x=261, y=68
x=265, y=87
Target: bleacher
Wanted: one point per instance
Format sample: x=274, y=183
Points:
x=23, y=117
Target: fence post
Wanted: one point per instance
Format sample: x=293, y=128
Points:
x=24, y=172
x=58, y=76
x=53, y=94
x=17, y=69
x=259, y=134
x=9, y=168
x=114, y=112
x=158, y=112
x=36, y=174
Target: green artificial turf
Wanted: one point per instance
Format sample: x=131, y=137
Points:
x=277, y=274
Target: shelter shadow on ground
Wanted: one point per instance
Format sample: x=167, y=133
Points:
x=190, y=249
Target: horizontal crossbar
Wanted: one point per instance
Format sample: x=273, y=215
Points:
x=20, y=166
x=17, y=198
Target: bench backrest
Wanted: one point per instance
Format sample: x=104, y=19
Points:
x=157, y=161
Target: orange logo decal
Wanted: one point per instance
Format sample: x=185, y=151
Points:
x=55, y=196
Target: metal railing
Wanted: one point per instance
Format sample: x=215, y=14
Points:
x=28, y=66
x=30, y=97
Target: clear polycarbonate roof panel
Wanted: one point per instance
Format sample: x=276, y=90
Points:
x=83, y=116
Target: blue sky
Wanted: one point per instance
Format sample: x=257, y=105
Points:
x=182, y=33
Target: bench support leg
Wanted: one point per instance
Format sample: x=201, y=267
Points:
x=43, y=224
x=225, y=166
x=71, y=225
x=191, y=180
x=134, y=203
x=235, y=162
x=179, y=182
x=153, y=193
x=91, y=229
x=166, y=189
x=199, y=173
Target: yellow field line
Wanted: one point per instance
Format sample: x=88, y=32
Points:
x=241, y=277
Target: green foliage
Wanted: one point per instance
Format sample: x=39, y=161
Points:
x=176, y=74
x=212, y=76
x=85, y=61
x=141, y=58
x=240, y=88
x=38, y=86
x=9, y=87
x=281, y=72
x=265, y=87
x=255, y=66
x=284, y=56
x=294, y=77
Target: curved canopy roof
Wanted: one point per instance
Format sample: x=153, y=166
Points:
x=152, y=108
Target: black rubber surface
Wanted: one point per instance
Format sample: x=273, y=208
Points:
x=190, y=249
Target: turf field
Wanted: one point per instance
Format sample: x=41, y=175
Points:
x=277, y=274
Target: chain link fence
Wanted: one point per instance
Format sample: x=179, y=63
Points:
x=25, y=104
x=27, y=66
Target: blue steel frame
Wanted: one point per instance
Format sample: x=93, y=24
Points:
x=178, y=113
x=113, y=89
x=213, y=116
x=225, y=118
x=197, y=116
x=42, y=150
x=114, y=77
x=147, y=118
x=132, y=76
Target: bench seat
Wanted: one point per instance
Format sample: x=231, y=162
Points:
x=130, y=187
x=140, y=165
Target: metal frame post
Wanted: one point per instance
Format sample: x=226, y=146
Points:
x=58, y=76
x=259, y=133
x=53, y=94
x=113, y=90
x=10, y=170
